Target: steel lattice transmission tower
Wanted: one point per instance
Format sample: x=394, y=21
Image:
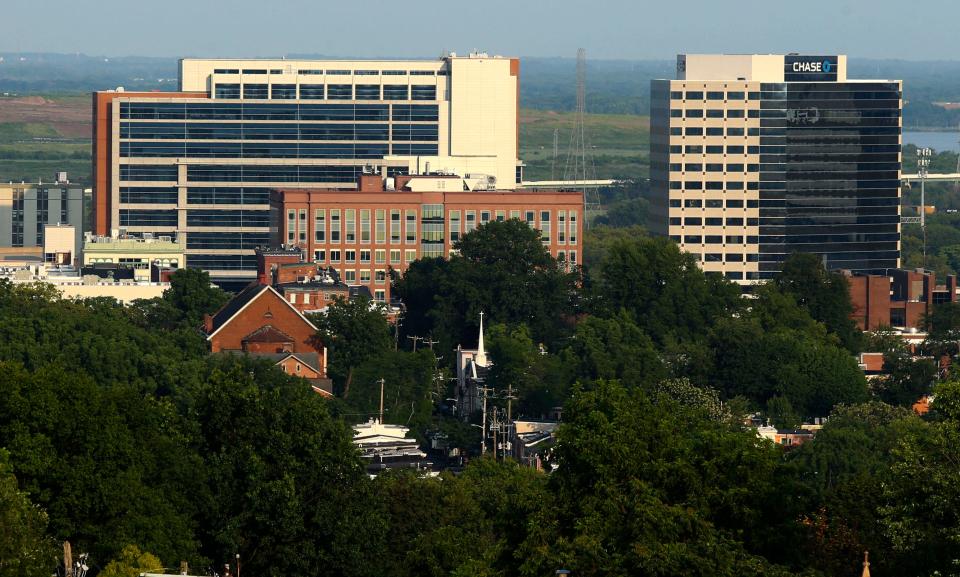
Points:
x=579, y=167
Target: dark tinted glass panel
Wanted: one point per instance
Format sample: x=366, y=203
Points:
x=145, y=172
x=415, y=112
x=254, y=91
x=340, y=92
x=311, y=91
x=415, y=149
x=222, y=261
x=368, y=91
x=227, y=240
x=423, y=92
x=426, y=132
x=227, y=195
x=136, y=217
x=396, y=92
x=148, y=195
x=227, y=91
x=228, y=218
x=283, y=91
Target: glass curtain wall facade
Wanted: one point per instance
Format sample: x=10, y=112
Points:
x=225, y=212
x=830, y=174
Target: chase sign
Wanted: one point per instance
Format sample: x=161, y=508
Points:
x=809, y=68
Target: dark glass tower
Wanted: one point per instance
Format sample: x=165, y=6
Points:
x=830, y=173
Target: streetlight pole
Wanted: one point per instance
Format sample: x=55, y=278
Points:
x=923, y=165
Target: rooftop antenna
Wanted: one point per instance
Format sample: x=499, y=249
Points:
x=579, y=167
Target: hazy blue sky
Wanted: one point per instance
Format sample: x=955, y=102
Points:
x=637, y=29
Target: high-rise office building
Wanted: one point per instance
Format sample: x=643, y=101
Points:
x=202, y=161
x=754, y=157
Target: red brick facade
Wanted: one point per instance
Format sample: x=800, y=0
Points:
x=899, y=299
x=259, y=320
x=366, y=233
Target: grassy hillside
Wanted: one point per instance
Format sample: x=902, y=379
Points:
x=40, y=135
x=619, y=144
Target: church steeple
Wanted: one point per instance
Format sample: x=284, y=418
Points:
x=866, y=564
x=481, y=358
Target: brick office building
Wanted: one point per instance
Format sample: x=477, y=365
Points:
x=898, y=299
x=388, y=223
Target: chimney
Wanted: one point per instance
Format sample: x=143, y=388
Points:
x=207, y=324
x=371, y=183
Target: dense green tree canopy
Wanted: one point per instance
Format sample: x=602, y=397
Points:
x=502, y=269
x=355, y=331
x=822, y=293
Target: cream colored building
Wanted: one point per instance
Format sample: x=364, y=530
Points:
x=72, y=285
x=136, y=252
x=754, y=157
x=27, y=207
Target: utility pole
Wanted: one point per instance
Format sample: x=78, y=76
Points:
x=430, y=342
x=483, y=426
x=396, y=332
x=381, y=381
x=923, y=165
x=509, y=427
x=414, y=338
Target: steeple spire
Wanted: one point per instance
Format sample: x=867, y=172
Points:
x=481, y=358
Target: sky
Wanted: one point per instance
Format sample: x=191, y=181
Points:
x=607, y=29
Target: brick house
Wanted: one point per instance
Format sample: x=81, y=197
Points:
x=260, y=322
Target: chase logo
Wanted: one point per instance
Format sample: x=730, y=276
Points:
x=804, y=65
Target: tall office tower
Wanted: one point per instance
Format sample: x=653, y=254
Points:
x=201, y=162
x=754, y=157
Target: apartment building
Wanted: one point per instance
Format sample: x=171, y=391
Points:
x=390, y=222
x=754, y=157
x=202, y=161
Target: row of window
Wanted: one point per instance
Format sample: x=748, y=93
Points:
x=712, y=131
x=713, y=167
x=714, y=149
x=336, y=72
x=201, y=217
x=403, y=224
x=713, y=185
x=270, y=111
x=278, y=131
x=713, y=203
x=242, y=173
x=189, y=149
x=714, y=113
x=713, y=221
x=714, y=95
x=720, y=239
x=328, y=92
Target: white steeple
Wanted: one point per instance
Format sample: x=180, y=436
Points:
x=481, y=358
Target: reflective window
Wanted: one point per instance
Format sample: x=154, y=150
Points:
x=255, y=91
x=396, y=92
